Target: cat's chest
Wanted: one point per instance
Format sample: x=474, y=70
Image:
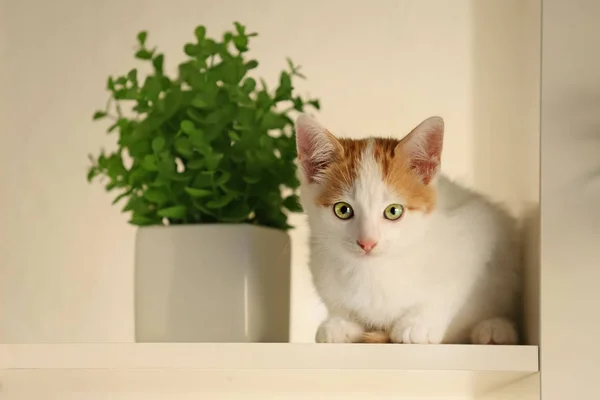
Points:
x=378, y=295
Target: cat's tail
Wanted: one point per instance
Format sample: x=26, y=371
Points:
x=500, y=331
x=495, y=331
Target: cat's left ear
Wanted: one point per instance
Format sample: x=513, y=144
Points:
x=317, y=147
x=422, y=148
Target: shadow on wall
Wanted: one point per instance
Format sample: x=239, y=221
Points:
x=506, y=108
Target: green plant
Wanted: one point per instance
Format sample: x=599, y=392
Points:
x=206, y=146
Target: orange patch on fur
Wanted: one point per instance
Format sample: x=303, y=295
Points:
x=376, y=337
x=396, y=169
x=397, y=172
x=340, y=175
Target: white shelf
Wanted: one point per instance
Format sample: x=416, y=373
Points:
x=254, y=369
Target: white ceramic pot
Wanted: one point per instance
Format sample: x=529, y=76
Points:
x=212, y=283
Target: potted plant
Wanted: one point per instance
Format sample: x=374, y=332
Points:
x=204, y=165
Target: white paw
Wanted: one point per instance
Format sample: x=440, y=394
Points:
x=495, y=331
x=412, y=330
x=339, y=330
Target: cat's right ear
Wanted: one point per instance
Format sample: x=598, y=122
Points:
x=423, y=149
x=316, y=147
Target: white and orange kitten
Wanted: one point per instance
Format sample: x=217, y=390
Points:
x=398, y=252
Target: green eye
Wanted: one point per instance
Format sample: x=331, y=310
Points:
x=343, y=210
x=393, y=212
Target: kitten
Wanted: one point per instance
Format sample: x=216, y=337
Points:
x=399, y=253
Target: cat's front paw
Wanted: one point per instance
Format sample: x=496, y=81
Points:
x=339, y=330
x=417, y=330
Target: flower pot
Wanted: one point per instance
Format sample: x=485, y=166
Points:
x=212, y=283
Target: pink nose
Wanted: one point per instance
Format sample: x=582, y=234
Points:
x=366, y=245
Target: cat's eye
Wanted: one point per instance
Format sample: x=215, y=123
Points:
x=393, y=212
x=343, y=210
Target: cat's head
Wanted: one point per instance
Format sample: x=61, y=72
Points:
x=372, y=196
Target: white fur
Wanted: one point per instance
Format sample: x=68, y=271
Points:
x=452, y=276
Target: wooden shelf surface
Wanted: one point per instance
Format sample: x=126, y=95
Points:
x=225, y=369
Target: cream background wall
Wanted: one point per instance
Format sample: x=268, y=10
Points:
x=570, y=250
x=66, y=254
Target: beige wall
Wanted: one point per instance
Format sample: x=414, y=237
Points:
x=380, y=67
x=570, y=197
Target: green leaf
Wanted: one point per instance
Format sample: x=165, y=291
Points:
x=210, y=46
x=92, y=173
x=237, y=157
x=199, y=102
x=143, y=54
x=121, y=196
x=187, y=126
x=141, y=37
x=155, y=196
x=298, y=104
x=126, y=94
x=167, y=165
x=290, y=64
x=221, y=202
x=152, y=88
x=251, y=64
x=203, y=180
x=263, y=83
x=249, y=85
x=195, y=115
x=284, y=91
x=141, y=220
x=240, y=29
x=285, y=80
x=266, y=142
x=181, y=177
x=158, y=143
x=158, y=63
x=272, y=120
x=137, y=176
x=292, y=203
x=197, y=204
x=212, y=161
x=198, y=192
x=200, y=33
x=132, y=75
x=184, y=147
x=223, y=178
x=235, y=192
x=173, y=100
x=198, y=140
x=150, y=163
x=241, y=43
x=195, y=164
x=233, y=135
x=251, y=179
x=137, y=205
x=99, y=115
x=238, y=214
x=177, y=212
x=191, y=49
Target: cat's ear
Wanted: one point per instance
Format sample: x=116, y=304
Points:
x=422, y=148
x=316, y=146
